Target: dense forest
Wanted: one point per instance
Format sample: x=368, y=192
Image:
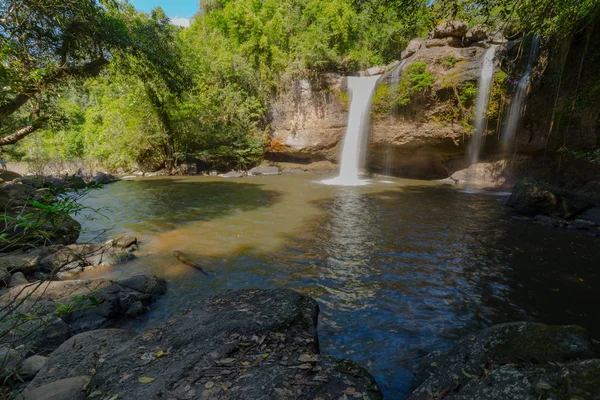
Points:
x=98, y=80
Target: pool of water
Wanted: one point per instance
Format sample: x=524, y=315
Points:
x=399, y=268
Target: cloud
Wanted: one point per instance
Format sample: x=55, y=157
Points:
x=179, y=21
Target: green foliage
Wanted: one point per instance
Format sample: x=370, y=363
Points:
x=467, y=94
x=498, y=95
x=449, y=62
x=415, y=80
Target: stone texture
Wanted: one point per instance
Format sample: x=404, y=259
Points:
x=450, y=28
x=31, y=366
x=232, y=174
x=517, y=361
x=65, y=389
x=90, y=304
x=264, y=170
x=309, y=118
x=17, y=279
x=532, y=197
x=247, y=344
x=476, y=34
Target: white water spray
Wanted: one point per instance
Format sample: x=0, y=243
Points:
x=516, y=106
x=483, y=100
x=361, y=91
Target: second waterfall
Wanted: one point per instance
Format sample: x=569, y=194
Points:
x=483, y=100
x=355, y=141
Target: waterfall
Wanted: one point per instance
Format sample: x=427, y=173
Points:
x=483, y=100
x=516, y=106
x=396, y=74
x=353, y=149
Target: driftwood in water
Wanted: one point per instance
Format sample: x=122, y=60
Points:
x=181, y=257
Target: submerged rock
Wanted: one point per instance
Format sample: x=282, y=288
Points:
x=532, y=197
x=513, y=361
x=247, y=344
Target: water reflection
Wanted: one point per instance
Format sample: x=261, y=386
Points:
x=398, y=269
x=349, y=245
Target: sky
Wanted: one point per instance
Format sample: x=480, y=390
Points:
x=179, y=11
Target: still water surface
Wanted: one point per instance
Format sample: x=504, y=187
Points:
x=399, y=268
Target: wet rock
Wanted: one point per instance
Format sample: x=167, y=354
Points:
x=123, y=242
x=75, y=182
x=517, y=360
x=378, y=70
x=104, y=178
x=87, y=305
x=450, y=28
x=232, y=174
x=550, y=221
x=532, y=197
x=64, y=389
x=592, y=215
x=17, y=279
x=247, y=344
x=581, y=225
x=264, y=170
x=31, y=366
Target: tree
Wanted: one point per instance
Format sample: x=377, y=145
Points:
x=45, y=44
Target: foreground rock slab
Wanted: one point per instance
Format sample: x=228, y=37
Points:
x=517, y=361
x=247, y=344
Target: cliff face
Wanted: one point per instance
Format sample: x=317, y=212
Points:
x=423, y=130
x=421, y=138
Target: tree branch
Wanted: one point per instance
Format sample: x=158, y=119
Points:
x=89, y=69
x=25, y=131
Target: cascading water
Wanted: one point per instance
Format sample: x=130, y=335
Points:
x=361, y=91
x=516, y=106
x=483, y=100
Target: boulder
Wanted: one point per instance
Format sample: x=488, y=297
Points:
x=532, y=197
x=31, y=366
x=9, y=360
x=71, y=260
x=70, y=307
x=40, y=182
x=123, y=242
x=246, y=344
x=476, y=34
x=232, y=174
x=412, y=47
x=264, y=170
x=377, y=70
x=75, y=182
x=450, y=28
x=26, y=261
x=64, y=389
x=8, y=176
x=17, y=279
x=91, y=347
x=517, y=360
x=103, y=178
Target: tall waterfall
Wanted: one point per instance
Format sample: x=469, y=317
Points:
x=353, y=150
x=516, y=106
x=483, y=100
